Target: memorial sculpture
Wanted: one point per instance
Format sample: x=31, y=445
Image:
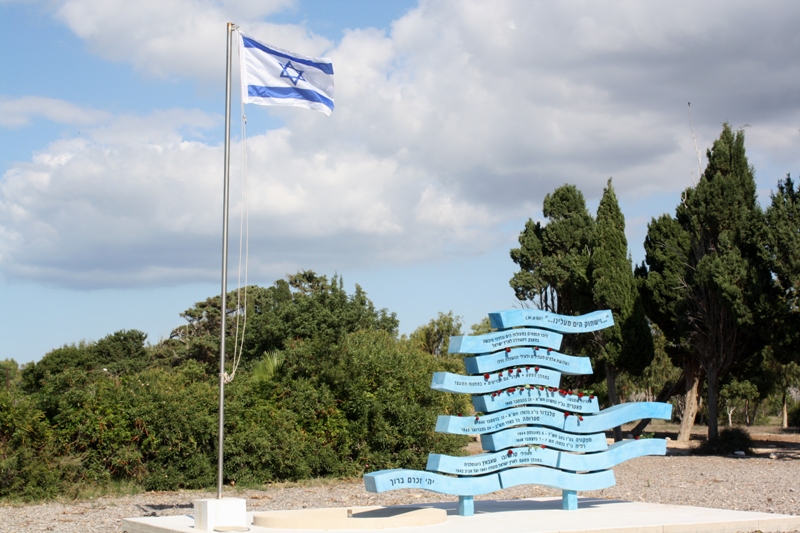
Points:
x=532, y=430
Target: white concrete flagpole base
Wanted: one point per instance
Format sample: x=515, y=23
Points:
x=211, y=513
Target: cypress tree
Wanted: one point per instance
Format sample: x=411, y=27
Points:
x=664, y=294
x=722, y=279
x=554, y=257
x=628, y=345
x=782, y=253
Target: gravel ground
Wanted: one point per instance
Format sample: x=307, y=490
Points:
x=750, y=484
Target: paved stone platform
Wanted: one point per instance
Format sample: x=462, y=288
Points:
x=544, y=515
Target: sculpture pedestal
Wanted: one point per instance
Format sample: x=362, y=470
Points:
x=211, y=513
x=569, y=500
x=466, y=506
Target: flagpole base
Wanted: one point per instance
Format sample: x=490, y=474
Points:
x=212, y=513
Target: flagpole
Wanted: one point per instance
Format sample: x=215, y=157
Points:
x=224, y=293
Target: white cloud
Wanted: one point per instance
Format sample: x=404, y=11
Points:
x=121, y=207
x=16, y=112
x=457, y=121
x=176, y=38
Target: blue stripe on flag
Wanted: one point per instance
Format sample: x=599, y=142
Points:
x=327, y=68
x=289, y=92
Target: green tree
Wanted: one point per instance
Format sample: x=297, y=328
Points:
x=737, y=394
x=785, y=377
x=122, y=351
x=9, y=375
x=554, y=258
x=660, y=374
x=722, y=279
x=119, y=352
x=484, y=326
x=198, y=339
x=782, y=254
x=56, y=361
x=664, y=293
x=434, y=337
x=305, y=306
x=628, y=344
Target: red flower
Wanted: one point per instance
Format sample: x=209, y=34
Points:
x=580, y=418
x=510, y=452
x=512, y=389
x=494, y=394
x=543, y=446
x=549, y=350
x=510, y=371
x=535, y=348
x=566, y=415
x=478, y=418
x=519, y=371
x=536, y=368
x=486, y=376
x=580, y=394
x=527, y=368
x=591, y=396
x=508, y=350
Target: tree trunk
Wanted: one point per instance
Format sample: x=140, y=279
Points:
x=692, y=375
x=611, y=380
x=667, y=391
x=754, y=414
x=712, y=379
x=785, y=412
x=747, y=412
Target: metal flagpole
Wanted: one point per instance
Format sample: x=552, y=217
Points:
x=224, y=294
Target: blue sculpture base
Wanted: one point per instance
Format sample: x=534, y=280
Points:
x=569, y=500
x=466, y=506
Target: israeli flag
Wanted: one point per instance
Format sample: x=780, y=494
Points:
x=271, y=76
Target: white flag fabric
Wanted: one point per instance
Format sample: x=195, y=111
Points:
x=271, y=76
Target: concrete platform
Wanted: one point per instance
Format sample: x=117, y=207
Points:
x=349, y=518
x=544, y=515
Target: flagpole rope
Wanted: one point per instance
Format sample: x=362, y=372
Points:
x=244, y=247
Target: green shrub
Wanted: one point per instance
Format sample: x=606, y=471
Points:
x=347, y=397
x=794, y=416
x=28, y=458
x=730, y=440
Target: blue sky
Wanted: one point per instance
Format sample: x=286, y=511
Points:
x=453, y=120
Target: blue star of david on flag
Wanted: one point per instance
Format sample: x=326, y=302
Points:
x=286, y=74
x=271, y=76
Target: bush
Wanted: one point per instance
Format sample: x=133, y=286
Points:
x=29, y=466
x=384, y=385
x=349, y=397
x=730, y=440
x=794, y=416
x=156, y=428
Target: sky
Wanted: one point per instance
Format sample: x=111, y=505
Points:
x=453, y=119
